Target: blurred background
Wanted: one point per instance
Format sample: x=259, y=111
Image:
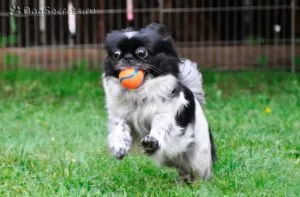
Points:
x=218, y=34
x=53, y=120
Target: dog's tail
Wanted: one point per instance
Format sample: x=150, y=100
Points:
x=190, y=76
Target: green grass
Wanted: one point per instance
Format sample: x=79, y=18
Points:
x=53, y=138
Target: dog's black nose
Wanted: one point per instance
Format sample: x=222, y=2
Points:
x=128, y=57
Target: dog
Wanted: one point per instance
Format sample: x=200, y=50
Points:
x=165, y=114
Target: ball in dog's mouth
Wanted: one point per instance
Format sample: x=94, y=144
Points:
x=131, y=78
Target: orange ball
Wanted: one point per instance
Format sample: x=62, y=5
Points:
x=131, y=78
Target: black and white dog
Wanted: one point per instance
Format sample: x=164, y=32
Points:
x=165, y=113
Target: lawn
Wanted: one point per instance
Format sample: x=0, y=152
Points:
x=53, y=138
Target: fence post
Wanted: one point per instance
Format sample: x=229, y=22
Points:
x=42, y=17
x=161, y=14
x=293, y=39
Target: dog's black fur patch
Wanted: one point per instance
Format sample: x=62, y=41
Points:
x=187, y=114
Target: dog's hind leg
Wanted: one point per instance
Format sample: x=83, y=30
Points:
x=184, y=170
x=185, y=176
x=200, y=161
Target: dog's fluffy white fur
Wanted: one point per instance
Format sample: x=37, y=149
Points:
x=149, y=112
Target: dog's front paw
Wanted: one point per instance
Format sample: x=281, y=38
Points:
x=119, y=144
x=150, y=144
x=120, y=153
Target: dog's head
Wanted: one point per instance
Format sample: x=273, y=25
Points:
x=150, y=49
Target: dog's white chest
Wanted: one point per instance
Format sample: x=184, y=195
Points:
x=139, y=111
x=138, y=107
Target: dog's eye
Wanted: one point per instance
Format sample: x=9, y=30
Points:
x=116, y=54
x=141, y=53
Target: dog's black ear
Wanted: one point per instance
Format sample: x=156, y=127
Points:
x=159, y=29
x=112, y=39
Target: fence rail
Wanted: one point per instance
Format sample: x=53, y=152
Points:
x=219, y=34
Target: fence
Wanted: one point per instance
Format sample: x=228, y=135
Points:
x=218, y=34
